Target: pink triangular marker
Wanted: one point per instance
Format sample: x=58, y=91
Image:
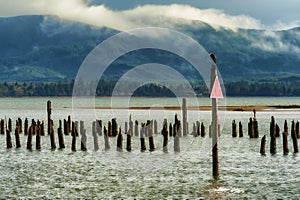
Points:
x=216, y=91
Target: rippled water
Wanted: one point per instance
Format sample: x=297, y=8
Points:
x=244, y=173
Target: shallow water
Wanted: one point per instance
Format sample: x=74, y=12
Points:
x=244, y=173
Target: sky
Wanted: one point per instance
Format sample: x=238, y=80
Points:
x=128, y=14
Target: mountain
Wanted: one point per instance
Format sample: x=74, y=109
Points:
x=45, y=48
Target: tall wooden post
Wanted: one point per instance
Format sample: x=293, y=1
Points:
x=49, y=115
x=184, y=118
x=214, y=127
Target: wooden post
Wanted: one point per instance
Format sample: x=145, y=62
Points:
x=95, y=129
x=170, y=130
x=49, y=115
x=52, y=136
x=76, y=124
x=26, y=127
x=99, y=127
x=297, y=130
x=203, y=133
x=38, y=138
x=114, y=126
x=250, y=128
x=277, y=130
x=17, y=136
x=214, y=125
x=9, y=125
x=263, y=146
x=66, y=131
x=142, y=137
x=176, y=141
x=184, y=118
x=20, y=125
x=2, y=127
x=29, y=138
x=128, y=142
x=136, y=128
x=60, y=136
x=285, y=139
x=83, y=137
x=273, y=136
x=150, y=136
x=294, y=137
x=165, y=136
x=73, y=134
x=255, y=128
x=106, y=139
x=241, y=129
x=120, y=141
x=42, y=128
x=109, y=131
x=155, y=127
x=234, y=130
x=8, y=139
x=198, y=128
x=69, y=128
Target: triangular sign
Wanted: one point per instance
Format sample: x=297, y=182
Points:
x=216, y=91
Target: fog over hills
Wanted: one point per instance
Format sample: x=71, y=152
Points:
x=46, y=48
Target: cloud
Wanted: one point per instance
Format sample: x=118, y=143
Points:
x=142, y=16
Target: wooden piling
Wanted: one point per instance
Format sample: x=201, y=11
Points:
x=83, y=137
x=66, y=131
x=29, y=138
x=165, y=136
x=241, y=134
x=263, y=145
x=185, y=131
x=60, y=136
x=70, y=124
x=99, y=127
x=2, y=128
x=234, y=130
x=52, y=136
x=285, y=139
x=294, y=137
x=277, y=130
x=203, y=133
x=176, y=142
x=42, y=128
x=297, y=130
x=273, y=136
x=250, y=128
x=150, y=136
x=155, y=127
x=198, y=128
x=106, y=139
x=142, y=137
x=8, y=139
x=49, y=115
x=95, y=133
x=120, y=141
x=255, y=128
x=114, y=126
x=17, y=136
x=76, y=124
x=20, y=125
x=73, y=134
x=170, y=130
x=9, y=125
x=109, y=130
x=136, y=128
x=38, y=139
x=128, y=142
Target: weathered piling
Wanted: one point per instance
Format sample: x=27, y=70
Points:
x=120, y=141
x=70, y=124
x=73, y=134
x=29, y=138
x=150, y=136
x=20, y=123
x=170, y=130
x=9, y=125
x=76, y=124
x=263, y=145
x=99, y=127
x=2, y=128
x=198, y=133
x=297, y=130
x=241, y=134
x=142, y=137
x=250, y=128
x=234, y=130
x=106, y=139
x=294, y=137
x=177, y=125
x=155, y=127
x=277, y=130
x=33, y=124
x=255, y=128
x=49, y=116
x=52, y=136
x=114, y=126
x=42, y=128
x=17, y=137
x=176, y=141
x=38, y=138
x=126, y=127
x=8, y=139
x=203, y=133
x=66, y=131
x=83, y=137
x=109, y=129
x=285, y=139
x=184, y=118
x=128, y=142
x=60, y=136
x=273, y=136
x=136, y=128
x=165, y=135
x=26, y=127
x=95, y=133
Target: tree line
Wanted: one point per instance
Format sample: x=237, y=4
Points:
x=106, y=88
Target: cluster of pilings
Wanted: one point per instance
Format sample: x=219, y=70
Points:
x=252, y=128
x=275, y=133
